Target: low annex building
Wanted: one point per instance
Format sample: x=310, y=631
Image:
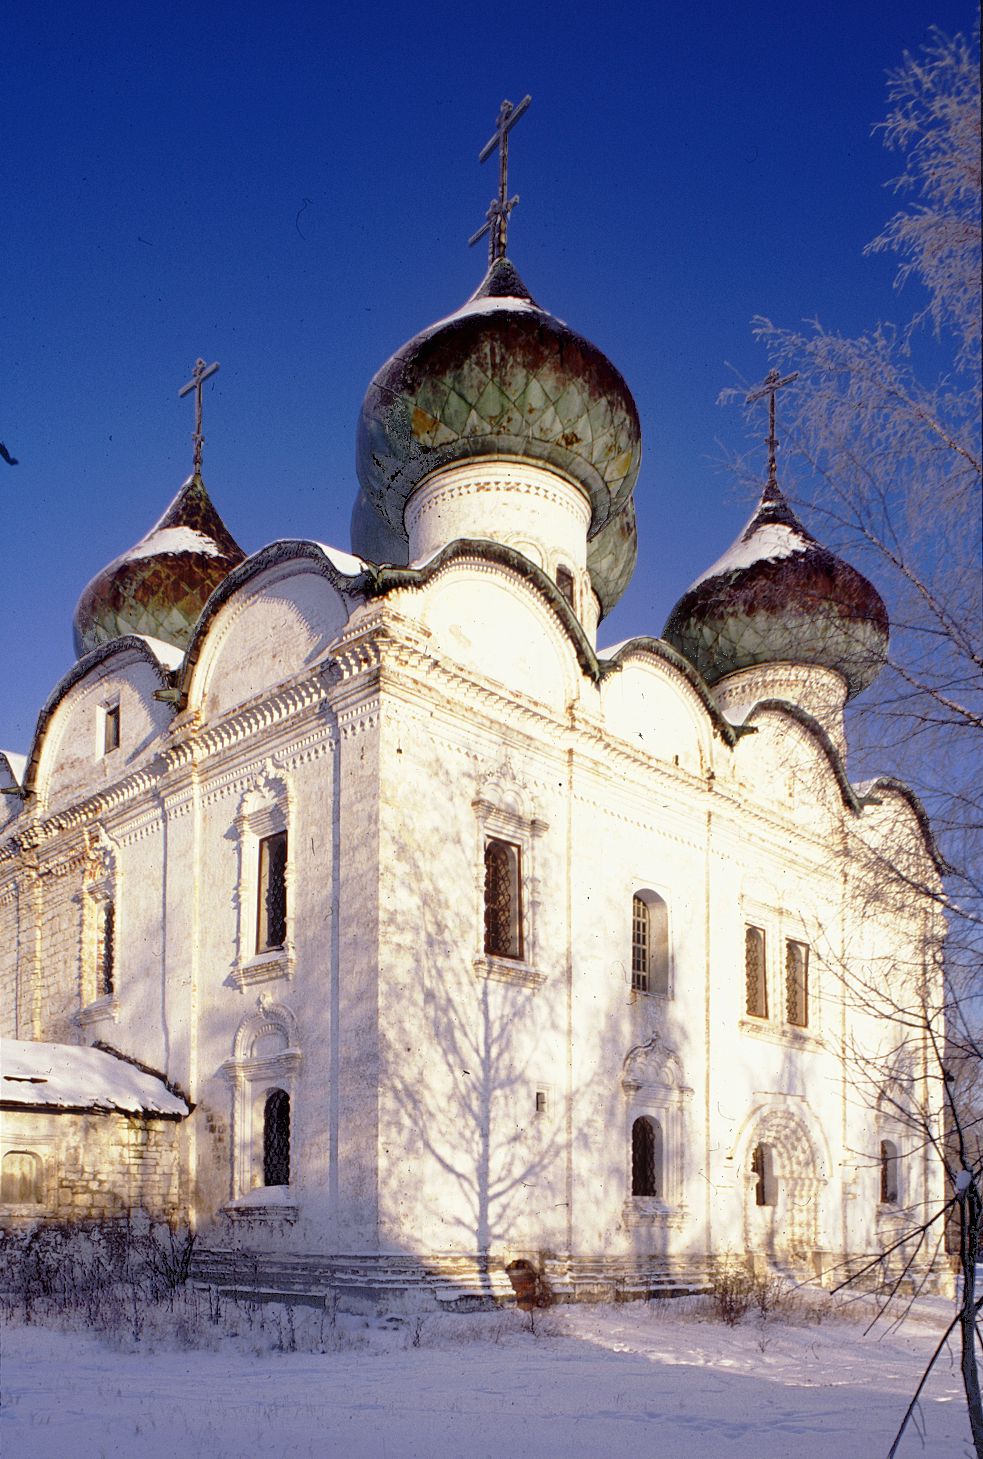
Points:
x=467, y=940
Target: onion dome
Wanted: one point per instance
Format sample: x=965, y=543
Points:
x=777, y=596
x=500, y=377
x=612, y=555
x=159, y=587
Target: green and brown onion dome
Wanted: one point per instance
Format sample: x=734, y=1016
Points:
x=500, y=377
x=777, y=596
x=159, y=587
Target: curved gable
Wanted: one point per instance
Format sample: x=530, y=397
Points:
x=73, y=752
x=650, y=701
x=498, y=624
x=273, y=617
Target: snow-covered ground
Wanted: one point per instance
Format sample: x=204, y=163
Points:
x=657, y=1379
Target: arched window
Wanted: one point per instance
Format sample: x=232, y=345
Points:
x=649, y=943
x=20, y=1178
x=755, y=973
x=503, y=899
x=797, y=983
x=646, y=1157
x=762, y=1166
x=564, y=581
x=276, y=1138
x=889, y=1173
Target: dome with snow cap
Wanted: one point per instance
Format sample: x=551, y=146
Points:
x=777, y=596
x=500, y=377
x=159, y=587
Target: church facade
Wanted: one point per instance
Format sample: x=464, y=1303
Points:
x=390, y=920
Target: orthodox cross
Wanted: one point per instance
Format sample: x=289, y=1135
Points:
x=496, y=223
x=773, y=383
x=201, y=374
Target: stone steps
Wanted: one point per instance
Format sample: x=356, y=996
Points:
x=452, y=1280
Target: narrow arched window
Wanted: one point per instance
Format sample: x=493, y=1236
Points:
x=755, y=973
x=276, y=1138
x=797, y=983
x=640, y=934
x=564, y=581
x=646, y=1157
x=762, y=1166
x=20, y=1178
x=271, y=920
x=889, y=1173
x=503, y=899
x=649, y=943
x=105, y=949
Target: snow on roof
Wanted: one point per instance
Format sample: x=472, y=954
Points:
x=17, y=764
x=173, y=539
x=345, y=562
x=58, y=1076
x=770, y=541
x=167, y=654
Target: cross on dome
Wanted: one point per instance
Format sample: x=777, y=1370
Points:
x=772, y=384
x=198, y=378
x=496, y=223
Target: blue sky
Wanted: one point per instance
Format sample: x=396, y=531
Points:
x=290, y=191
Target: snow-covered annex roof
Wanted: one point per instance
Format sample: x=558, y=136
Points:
x=60, y=1077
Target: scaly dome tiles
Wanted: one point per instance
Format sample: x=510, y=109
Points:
x=777, y=596
x=159, y=587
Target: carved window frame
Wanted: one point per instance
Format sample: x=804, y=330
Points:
x=99, y=900
x=265, y=811
x=502, y=815
x=654, y=1090
x=255, y=1073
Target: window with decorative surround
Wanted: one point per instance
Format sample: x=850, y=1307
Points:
x=656, y=1108
x=265, y=884
x=100, y=930
x=263, y=1072
x=778, y=998
x=508, y=937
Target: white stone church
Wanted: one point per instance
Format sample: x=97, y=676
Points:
x=361, y=910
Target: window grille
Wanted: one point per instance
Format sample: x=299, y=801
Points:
x=564, y=581
x=111, y=727
x=797, y=983
x=640, y=936
x=889, y=1173
x=20, y=1179
x=645, y=1157
x=503, y=899
x=271, y=929
x=106, y=950
x=276, y=1138
x=755, y=973
x=761, y=1166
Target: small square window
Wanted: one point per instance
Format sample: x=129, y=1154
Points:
x=271, y=921
x=542, y=1102
x=110, y=728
